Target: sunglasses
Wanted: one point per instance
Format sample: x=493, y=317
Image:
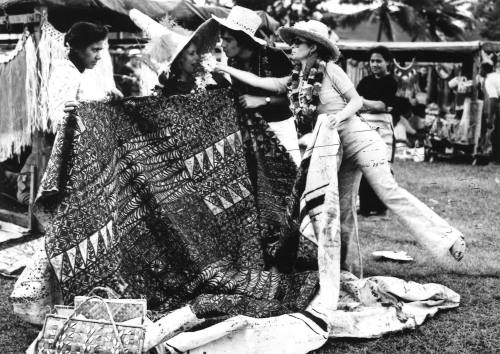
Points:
x=298, y=41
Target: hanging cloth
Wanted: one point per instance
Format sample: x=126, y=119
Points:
x=18, y=91
x=356, y=70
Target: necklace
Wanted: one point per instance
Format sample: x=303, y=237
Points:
x=304, y=95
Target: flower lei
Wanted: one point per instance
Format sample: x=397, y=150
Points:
x=304, y=95
x=203, y=75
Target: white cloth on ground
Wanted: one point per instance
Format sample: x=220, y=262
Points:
x=367, y=308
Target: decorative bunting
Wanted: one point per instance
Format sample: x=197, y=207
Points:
x=71, y=256
x=57, y=265
x=190, y=165
x=220, y=147
x=83, y=250
x=213, y=208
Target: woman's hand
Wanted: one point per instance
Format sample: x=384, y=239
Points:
x=220, y=67
x=71, y=106
x=114, y=94
x=333, y=121
x=250, y=102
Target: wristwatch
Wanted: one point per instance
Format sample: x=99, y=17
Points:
x=268, y=100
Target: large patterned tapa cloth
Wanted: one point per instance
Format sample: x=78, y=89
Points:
x=177, y=200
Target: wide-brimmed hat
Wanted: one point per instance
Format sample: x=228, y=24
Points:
x=168, y=43
x=313, y=31
x=244, y=20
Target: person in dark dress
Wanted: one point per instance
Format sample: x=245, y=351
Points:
x=247, y=52
x=183, y=63
x=379, y=94
x=182, y=77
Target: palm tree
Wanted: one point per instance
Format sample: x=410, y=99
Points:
x=421, y=19
x=487, y=13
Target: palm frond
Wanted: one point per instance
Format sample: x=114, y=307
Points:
x=385, y=22
x=409, y=21
x=356, y=2
x=354, y=20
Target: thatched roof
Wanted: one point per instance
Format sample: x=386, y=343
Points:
x=63, y=13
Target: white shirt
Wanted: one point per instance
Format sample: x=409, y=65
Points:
x=492, y=85
x=63, y=85
x=66, y=83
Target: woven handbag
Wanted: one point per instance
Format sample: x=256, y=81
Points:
x=92, y=328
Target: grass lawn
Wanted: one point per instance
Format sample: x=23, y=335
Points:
x=468, y=197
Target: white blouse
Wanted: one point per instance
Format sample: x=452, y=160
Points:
x=63, y=85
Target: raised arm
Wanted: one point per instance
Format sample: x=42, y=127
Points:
x=267, y=83
x=343, y=85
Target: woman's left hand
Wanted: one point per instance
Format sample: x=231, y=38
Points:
x=333, y=121
x=220, y=67
x=250, y=102
x=114, y=94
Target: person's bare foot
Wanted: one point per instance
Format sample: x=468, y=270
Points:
x=458, y=249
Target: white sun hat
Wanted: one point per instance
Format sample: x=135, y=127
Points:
x=244, y=20
x=313, y=31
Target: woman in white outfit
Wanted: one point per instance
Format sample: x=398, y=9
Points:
x=319, y=86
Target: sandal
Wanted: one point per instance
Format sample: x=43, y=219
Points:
x=458, y=249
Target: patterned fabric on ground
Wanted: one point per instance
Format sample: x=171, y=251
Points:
x=367, y=308
x=172, y=199
x=35, y=291
x=14, y=258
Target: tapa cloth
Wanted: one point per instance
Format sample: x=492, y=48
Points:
x=367, y=308
x=178, y=200
x=183, y=201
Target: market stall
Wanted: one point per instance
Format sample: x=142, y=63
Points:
x=454, y=111
x=31, y=40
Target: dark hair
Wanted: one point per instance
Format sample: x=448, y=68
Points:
x=243, y=39
x=383, y=51
x=83, y=34
x=419, y=110
x=486, y=68
x=323, y=53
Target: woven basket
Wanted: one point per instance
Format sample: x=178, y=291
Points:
x=92, y=328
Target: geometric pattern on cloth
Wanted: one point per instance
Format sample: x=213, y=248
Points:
x=177, y=200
